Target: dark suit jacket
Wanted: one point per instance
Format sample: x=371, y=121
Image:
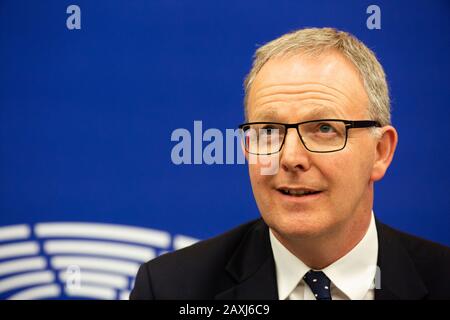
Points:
x=239, y=264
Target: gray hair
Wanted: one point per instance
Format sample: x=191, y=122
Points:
x=314, y=41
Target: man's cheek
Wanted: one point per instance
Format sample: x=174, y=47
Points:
x=267, y=165
x=260, y=180
x=260, y=183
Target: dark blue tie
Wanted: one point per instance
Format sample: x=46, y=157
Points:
x=319, y=284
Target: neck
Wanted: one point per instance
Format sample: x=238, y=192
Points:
x=321, y=251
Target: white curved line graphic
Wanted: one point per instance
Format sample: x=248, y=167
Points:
x=91, y=260
x=97, y=278
x=41, y=292
x=26, y=280
x=111, y=265
x=103, y=231
x=20, y=231
x=91, y=292
x=101, y=248
x=180, y=241
x=124, y=295
x=19, y=249
x=19, y=265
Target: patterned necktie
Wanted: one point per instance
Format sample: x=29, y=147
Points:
x=319, y=284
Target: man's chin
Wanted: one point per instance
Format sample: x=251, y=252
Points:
x=299, y=229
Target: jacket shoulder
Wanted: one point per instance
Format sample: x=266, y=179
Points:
x=421, y=249
x=194, y=272
x=431, y=260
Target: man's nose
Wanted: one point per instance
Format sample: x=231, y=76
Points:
x=294, y=155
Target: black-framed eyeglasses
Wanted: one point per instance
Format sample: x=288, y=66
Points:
x=321, y=136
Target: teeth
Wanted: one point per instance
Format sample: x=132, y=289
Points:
x=296, y=192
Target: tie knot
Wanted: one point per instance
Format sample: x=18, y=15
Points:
x=319, y=284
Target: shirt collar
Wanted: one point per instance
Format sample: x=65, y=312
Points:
x=289, y=269
x=353, y=273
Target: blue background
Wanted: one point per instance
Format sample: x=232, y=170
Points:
x=86, y=115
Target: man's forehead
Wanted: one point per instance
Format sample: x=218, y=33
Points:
x=329, y=68
x=328, y=77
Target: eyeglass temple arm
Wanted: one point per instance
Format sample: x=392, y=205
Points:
x=362, y=124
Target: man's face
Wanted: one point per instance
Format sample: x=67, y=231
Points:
x=299, y=88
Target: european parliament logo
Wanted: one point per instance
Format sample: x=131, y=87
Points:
x=77, y=260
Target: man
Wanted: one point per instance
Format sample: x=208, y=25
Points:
x=317, y=104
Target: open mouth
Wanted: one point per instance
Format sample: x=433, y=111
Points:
x=297, y=192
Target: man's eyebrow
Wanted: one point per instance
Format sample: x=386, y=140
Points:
x=318, y=111
x=267, y=114
x=322, y=112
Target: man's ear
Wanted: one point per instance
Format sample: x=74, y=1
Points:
x=384, y=153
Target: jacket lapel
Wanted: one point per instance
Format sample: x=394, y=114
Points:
x=399, y=277
x=252, y=267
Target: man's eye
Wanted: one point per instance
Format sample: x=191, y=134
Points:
x=269, y=129
x=326, y=128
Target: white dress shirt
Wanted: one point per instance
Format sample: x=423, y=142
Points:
x=352, y=276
